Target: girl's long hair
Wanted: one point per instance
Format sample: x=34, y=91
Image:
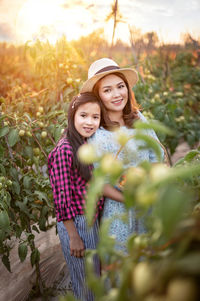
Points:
x=130, y=111
x=73, y=136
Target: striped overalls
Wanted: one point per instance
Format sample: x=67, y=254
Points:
x=75, y=264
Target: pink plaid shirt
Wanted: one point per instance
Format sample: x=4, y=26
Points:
x=69, y=188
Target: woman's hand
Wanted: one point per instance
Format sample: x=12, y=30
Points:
x=113, y=193
x=76, y=244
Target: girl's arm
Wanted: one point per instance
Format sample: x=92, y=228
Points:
x=75, y=242
x=112, y=193
x=59, y=164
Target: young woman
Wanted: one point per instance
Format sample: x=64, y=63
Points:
x=113, y=87
x=69, y=178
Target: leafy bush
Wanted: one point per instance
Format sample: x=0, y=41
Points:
x=161, y=264
x=172, y=98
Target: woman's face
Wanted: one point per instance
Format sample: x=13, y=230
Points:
x=113, y=92
x=87, y=119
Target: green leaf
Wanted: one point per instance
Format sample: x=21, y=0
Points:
x=190, y=155
x=41, y=195
x=106, y=242
x=94, y=192
x=4, y=220
x=6, y=262
x=182, y=172
x=2, y=236
x=4, y=131
x=3, y=170
x=170, y=209
x=23, y=208
x=22, y=251
x=155, y=125
x=179, y=162
x=16, y=187
x=30, y=237
x=13, y=137
x=7, y=198
x=18, y=231
x=42, y=223
x=14, y=173
x=28, y=117
x=44, y=211
x=27, y=182
x=35, y=257
x=1, y=151
x=35, y=229
x=57, y=133
x=150, y=143
x=28, y=151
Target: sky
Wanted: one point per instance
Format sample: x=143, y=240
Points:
x=25, y=20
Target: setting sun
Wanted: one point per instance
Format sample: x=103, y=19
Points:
x=51, y=19
x=48, y=19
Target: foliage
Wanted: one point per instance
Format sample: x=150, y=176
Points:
x=36, y=82
x=161, y=264
x=26, y=199
x=171, y=95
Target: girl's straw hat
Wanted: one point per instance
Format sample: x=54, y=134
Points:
x=103, y=67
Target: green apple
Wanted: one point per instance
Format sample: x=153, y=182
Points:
x=44, y=134
x=41, y=109
x=36, y=151
x=143, y=278
x=87, y=153
x=69, y=80
x=135, y=175
x=21, y=133
x=182, y=289
x=111, y=165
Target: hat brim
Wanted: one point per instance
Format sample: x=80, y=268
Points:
x=130, y=74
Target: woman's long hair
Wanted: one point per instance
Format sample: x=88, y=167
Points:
x=73, y=136
x=130, y=111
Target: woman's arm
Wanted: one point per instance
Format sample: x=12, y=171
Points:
x=75, y=242
x=112, y=193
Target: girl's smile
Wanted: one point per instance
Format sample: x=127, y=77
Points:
x=87, y=119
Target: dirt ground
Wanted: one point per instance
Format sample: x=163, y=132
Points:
x=16, y=286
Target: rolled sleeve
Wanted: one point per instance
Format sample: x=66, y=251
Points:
x=60, y=165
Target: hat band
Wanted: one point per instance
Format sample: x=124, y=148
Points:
x=108, y=68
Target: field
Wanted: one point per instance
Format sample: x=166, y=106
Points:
x=37, y=81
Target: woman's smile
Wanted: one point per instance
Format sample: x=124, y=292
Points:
x=118, y=102
x=113, y=93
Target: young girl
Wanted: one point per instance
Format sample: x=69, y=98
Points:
x=69, y=178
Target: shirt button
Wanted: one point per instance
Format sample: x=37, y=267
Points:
x=62, y=192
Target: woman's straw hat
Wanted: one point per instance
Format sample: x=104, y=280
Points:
x=103, y=67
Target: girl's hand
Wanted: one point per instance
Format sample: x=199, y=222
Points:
x=76, y=246
x=75, y=242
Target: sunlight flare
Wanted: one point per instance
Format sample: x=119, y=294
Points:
x=49, y=19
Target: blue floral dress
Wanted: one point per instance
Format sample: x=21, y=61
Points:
x=105, y=142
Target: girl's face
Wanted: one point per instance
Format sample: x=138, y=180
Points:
x=87, y=119
x=113, y=92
